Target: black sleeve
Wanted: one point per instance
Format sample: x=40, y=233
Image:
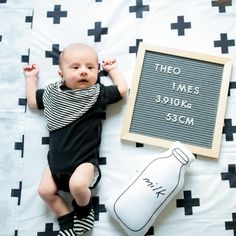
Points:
x=111, y=94
x=39, y=98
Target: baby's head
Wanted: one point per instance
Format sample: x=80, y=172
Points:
x=78, y=65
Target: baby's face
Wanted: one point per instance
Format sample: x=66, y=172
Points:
x=79, y=68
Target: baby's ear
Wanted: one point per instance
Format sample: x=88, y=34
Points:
x=60, y=74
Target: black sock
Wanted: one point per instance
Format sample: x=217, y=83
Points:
x=66, y=221
x=82, y=211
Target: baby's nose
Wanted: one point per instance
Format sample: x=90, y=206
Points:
x=83, y=71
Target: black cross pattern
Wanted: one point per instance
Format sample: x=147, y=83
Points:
x=231, y=225
x=17, y=193
x=22, y=102
x=229, y=130
x=3, y=1
x=54, y=54
x=134, y=49
x=98, y=31
x=230, y=175
x=102, y=160
x=20, y=146
x=139, y=8
x=101, y=74
x=188, y=202
x=150, y=231
x=0, y=38
x=25, y=58
x=16, y=233
x=181, y=25
x=57, y=14
x=224, y=43
x=222, y=4
x=29, y=19
x=98, y=208
x=138, y=145
x=232, y=85
x=48, y=231
x=45, y=140
x=98, y=0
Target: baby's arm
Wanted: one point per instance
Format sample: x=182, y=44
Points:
x=110, y=66
x=31, y=77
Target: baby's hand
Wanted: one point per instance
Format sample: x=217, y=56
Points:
x=109, y=64
x=31, y=70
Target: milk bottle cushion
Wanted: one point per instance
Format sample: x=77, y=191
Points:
x=136, y=206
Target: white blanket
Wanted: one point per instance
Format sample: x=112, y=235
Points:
x=35, y=32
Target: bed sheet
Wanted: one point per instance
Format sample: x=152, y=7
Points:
x=36, y=32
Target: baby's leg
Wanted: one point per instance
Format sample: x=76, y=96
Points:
x=79, y=185
x=80, y=182
x=48, y=192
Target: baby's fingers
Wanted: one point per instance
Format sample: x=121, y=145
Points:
x=29, y=67
x=109, y=61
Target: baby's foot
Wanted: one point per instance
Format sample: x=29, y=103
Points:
x=67, y=232
x=85, y=224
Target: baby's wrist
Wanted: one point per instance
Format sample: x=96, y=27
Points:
x=112, y=69
x=31, y=77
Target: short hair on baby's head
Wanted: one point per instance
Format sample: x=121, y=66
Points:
x=75, y=46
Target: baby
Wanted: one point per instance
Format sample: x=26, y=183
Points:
x=74, y=109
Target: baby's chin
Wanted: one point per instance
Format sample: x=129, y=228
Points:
x=83, y=87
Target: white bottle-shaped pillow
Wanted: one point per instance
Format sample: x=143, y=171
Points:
x=148, y=192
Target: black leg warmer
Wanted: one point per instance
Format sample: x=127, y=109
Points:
x=66, y=221
x=82, y=211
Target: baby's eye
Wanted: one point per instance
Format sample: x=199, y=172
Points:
x=75, y=67
x=90, y=67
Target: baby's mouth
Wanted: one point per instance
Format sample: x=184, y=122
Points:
x=83, y=81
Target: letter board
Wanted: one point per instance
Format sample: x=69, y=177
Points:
x=177, y=95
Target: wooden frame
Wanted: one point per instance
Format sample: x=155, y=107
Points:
x=202, y=86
